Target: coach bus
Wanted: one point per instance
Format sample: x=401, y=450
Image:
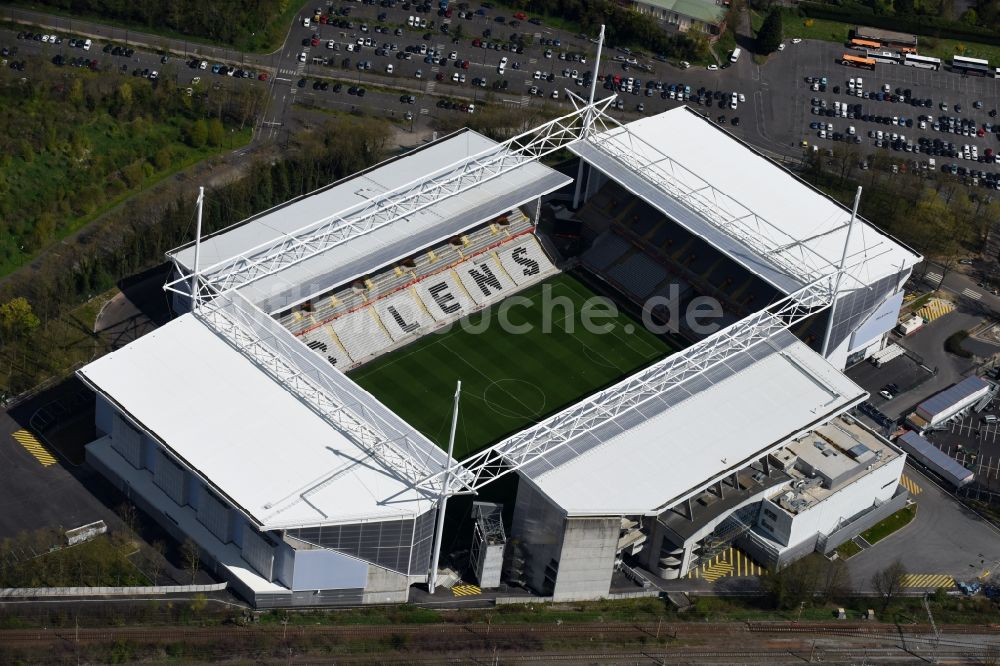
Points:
x=889, y=57
x=971, y=66
x=864, y=44
x=923, y=62
x=857, y=61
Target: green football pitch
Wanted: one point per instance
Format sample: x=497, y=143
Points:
x=509, y=380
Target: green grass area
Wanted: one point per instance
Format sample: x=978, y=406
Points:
x=848, y=549
x=80, y=143
x=918, y=302
x=118, y=144
x=510, y=380
x=810, y=28
x=946, y=48
x=102, y=561
x=891, y=524
x=835, y=31
x=266, y=42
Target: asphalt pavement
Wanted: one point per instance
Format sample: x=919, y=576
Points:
x=945, y=538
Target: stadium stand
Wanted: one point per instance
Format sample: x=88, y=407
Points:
x=638, y=275
x=606, y=250
x=402, y=314
x=525, y=261
x=323, y=341
x=352, y=324
x=362, y=334
x=641, y=253
x=484, y=278
x=444, y=296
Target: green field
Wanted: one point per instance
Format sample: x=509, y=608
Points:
x=508, y=380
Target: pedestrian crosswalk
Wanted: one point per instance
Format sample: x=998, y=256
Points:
x=969, y=293
x=934, y=277
x=730, y=562
x=910, y=485
x=928, y=581
x=34, y=447
x=465, y=590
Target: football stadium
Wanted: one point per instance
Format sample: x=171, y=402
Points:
x=650, y=342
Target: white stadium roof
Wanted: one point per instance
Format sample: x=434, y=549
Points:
x=394, y=241
x=672, y=446
x=694, y=171
x=253, y=439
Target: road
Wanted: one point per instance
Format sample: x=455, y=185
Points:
x=775, y=116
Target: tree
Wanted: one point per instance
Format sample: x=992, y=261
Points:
x=155, y=559
x=17, y=319
x=191, y=555
x=969, y=17
x=129, y=516
x=216, y=132
x=198, y=134
x=794, y=584
x=770, y=34
x=889, y=583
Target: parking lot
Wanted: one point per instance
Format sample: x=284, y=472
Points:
x=964, y=108
x=974, y=443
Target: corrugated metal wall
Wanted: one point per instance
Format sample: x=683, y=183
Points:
x=214, y=514
x=258, y=553
x=127, y=441
x=169, y=477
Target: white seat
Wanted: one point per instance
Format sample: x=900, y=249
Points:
x=484, y=278
x=524, y=260
x=402, y=315
x=362, y=334
x=443, y=296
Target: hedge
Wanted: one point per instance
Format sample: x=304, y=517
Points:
x=919, y=25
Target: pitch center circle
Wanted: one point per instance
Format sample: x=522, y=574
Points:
x=514, y=398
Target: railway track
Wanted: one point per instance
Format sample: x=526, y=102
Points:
x=494, y=631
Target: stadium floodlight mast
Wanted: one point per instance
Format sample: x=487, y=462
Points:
x=195, y=297
x=443, y=497
x=448, y=181
x=588, y=119
x=843, y=264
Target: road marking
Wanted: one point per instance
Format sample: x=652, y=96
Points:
x=731, y=562
x=934, y=277
x=972, y=294
x=34, y=447
x=910, y=485
x=932, y=581
x=465, y=590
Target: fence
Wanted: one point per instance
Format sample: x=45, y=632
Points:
x=639, y=594
x=33, y=592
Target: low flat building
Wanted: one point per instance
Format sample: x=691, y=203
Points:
x=949, y=402
x=708, y=16
x=886, y=37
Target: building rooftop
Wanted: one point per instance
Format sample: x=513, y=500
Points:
x=379, y=247
x=801, y=221
x=707, y=11
x=244, y=433
x=829, y=457
x=678, y=441
x=951, y=396
x=878, y=34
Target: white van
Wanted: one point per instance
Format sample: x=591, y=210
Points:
x=306, y=22
x=86, y=44
x=735, y=55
